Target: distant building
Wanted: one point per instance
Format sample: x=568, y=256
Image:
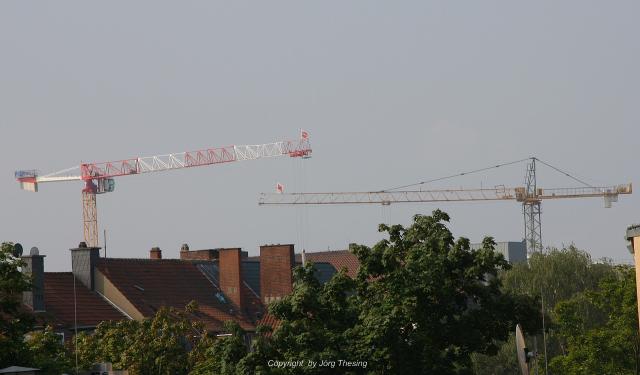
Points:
x=512, y=251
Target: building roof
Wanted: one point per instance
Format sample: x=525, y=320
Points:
x=326, y=263
x=253, y=307
x=269, y=321
x=59, y=303
x=338, y=259
x=150, y=284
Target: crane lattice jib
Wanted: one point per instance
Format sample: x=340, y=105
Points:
x=450, y=195
x=198, y=158
x=158, y=163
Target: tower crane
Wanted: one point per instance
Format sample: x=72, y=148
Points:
x=99, y=177
x=530, y=196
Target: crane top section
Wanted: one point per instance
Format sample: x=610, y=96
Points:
x=29, y=179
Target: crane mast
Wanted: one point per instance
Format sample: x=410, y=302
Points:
x=532, y=211
x=99, y=177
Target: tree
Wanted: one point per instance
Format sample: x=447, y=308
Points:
x=422, y=302
x=15, y=321
x=556, y=275
x=427, y=301
x=222, y=355
x=316, y=322
x=48, y=353
x=159, y=345
x=550, y=277
x=612, y=347
x=504, y=362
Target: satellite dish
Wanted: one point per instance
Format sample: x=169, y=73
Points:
x=524, y=355
x=17, y=250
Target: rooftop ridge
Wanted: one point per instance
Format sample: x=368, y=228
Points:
x=165, y=260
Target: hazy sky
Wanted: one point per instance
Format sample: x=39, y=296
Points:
x=390, y=92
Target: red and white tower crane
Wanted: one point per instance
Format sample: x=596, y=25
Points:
x=99, y=177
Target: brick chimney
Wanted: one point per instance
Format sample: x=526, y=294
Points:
x=276, y=277
x=35, y=268
x=230, y=264
x=83, y=261
x=155, y=253
x=206, y=254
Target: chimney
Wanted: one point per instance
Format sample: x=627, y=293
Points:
x=276, y=278
x=155, y=253
x=184, y=249
x=206, y=254
x=83, y=261
x=230, y=275
x=35, y=268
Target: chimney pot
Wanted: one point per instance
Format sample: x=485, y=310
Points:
x=155, y=253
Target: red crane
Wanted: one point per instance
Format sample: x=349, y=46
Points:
x=99, y=177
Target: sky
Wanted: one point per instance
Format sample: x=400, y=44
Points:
x=391, y=93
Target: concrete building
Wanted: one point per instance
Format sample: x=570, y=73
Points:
x=512, y=251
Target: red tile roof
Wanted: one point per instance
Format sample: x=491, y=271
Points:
x=338, y=259
x=151, y=284
x=253, y=305
x=270, y=321
x=58, y=301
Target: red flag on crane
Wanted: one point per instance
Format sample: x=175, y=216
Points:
x=279, y=188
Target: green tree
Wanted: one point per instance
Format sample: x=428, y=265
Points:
x=48, y=352
x=504, y=362
x=422, y=302
x=15, y=321
x=556, y=275
x=551, y=277
x=427, y=301
x=223, y=354
x=612, y=347
x=316, y=321
x=159, y=345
